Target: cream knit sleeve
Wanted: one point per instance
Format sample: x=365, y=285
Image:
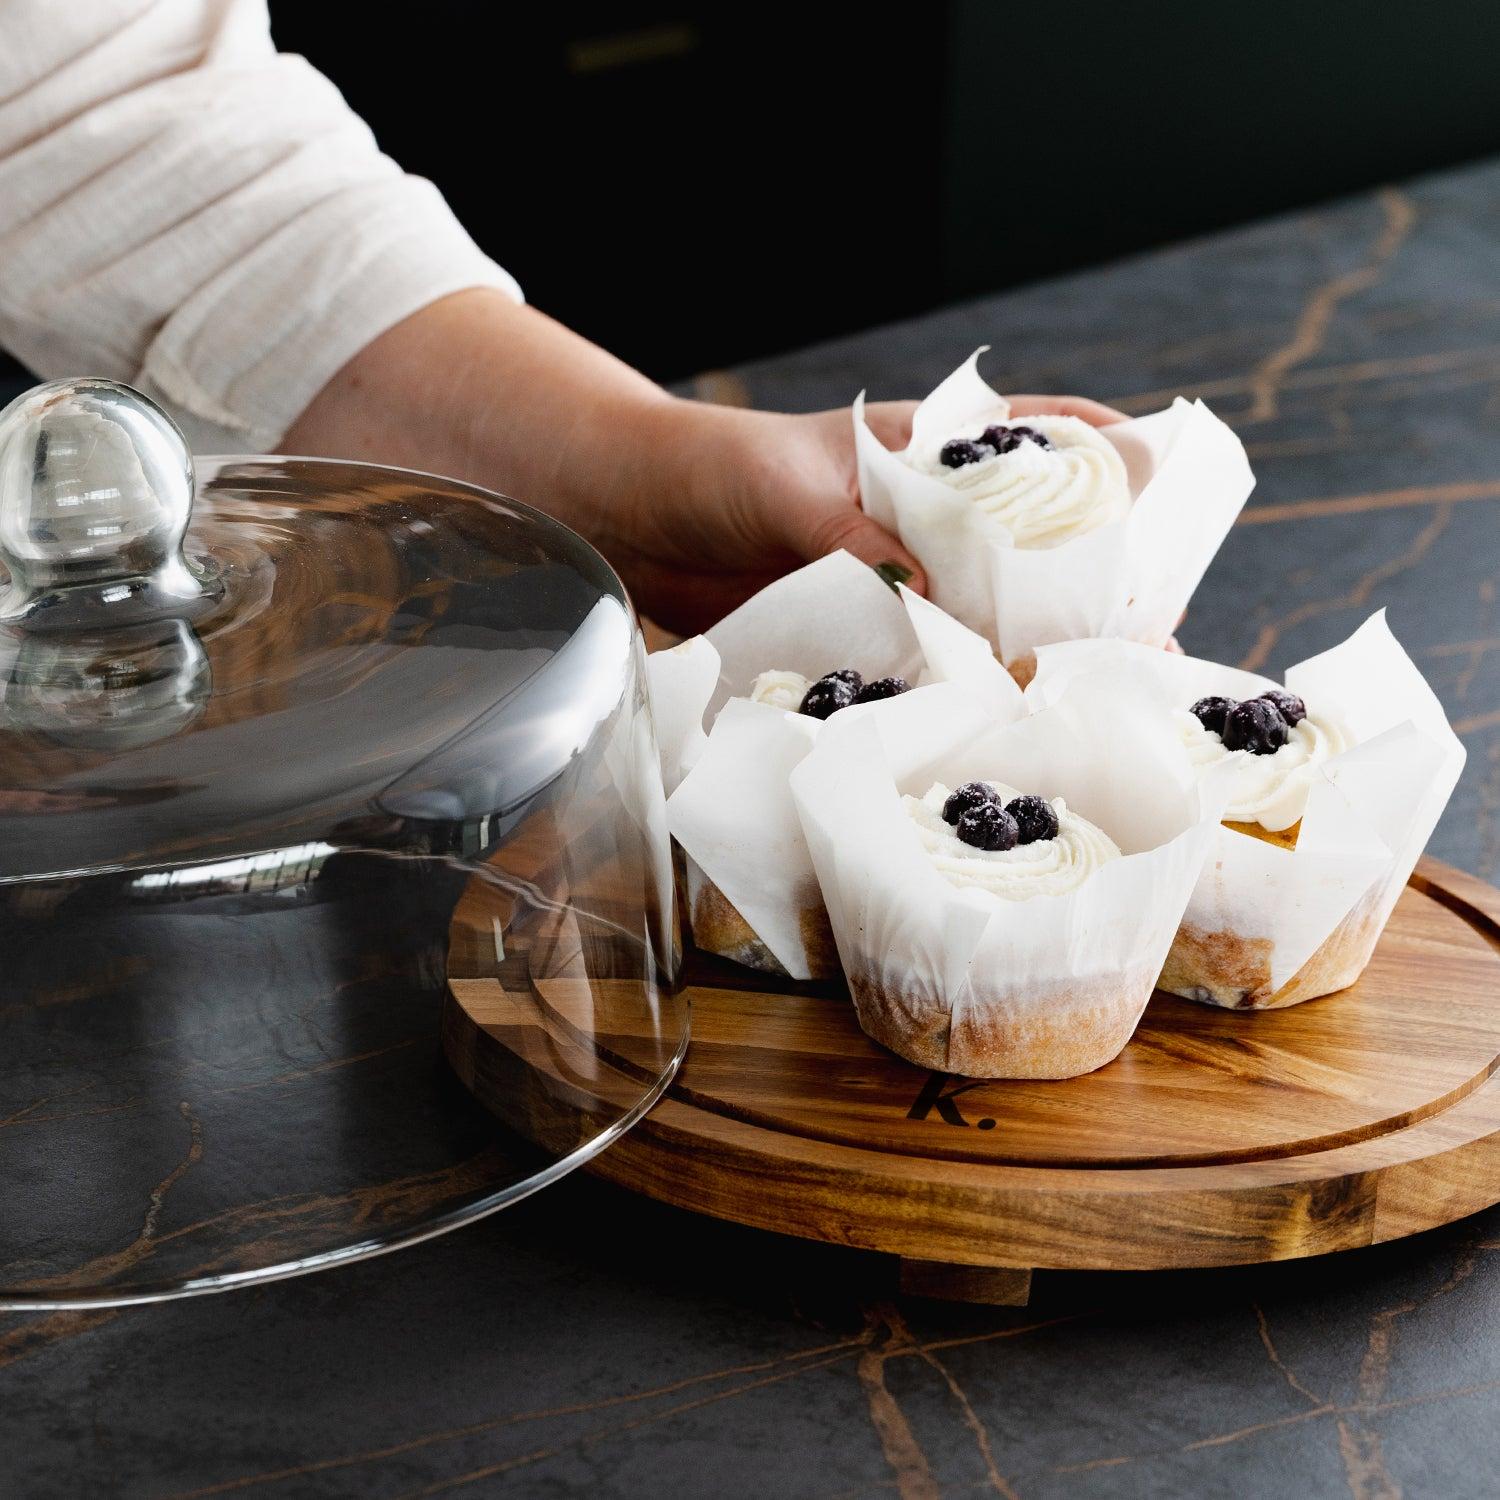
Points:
x=186, y=209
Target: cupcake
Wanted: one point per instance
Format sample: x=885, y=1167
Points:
x=738, y=708
x=1047, y=529
x=1003, y=896
x=718, y=926
x=1335, y=782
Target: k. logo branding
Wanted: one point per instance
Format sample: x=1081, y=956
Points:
x=938, y=1094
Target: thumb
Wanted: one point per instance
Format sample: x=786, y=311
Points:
x=850, y=528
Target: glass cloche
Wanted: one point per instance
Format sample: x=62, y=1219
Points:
x=328, y=805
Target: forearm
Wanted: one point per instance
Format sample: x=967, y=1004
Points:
x=696, y=506
x=483, y=388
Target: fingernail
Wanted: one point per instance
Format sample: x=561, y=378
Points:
x=893, y=573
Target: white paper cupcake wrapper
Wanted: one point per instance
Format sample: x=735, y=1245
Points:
x=1367, y=818
x=1131, y=579
x=681, y=681
x=729, y=804
x=972, y=976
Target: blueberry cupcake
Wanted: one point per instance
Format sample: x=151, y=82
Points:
x=739, y=707
x=1003, y=897
x=1334, y=782
x=1046, y=529
x=748, y=768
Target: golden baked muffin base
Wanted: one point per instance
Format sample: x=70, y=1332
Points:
x=1062, y=1031
x=1233, y=970
x=718, y=927
x=1230, y=970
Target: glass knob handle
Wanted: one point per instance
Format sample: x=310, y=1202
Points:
x=96, y=490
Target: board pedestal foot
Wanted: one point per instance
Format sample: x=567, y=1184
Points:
x=998, y=1286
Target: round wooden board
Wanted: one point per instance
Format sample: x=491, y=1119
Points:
x=1216, y=1138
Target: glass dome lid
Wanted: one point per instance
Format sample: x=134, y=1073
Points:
x=317, y=794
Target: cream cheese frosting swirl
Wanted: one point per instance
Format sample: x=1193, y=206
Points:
x=1043, y=497
x=1268, y=789
x=1049, y=867
x=780, y=689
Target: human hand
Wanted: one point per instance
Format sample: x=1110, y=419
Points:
x=745, y=497
x=697, y=506
x=761, y=493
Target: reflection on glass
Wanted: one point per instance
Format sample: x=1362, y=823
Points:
x=103, y=690
x=280, y=961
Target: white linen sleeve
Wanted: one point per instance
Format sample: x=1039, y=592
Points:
x=186, y=209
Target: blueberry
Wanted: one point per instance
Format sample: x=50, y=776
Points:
x=961, y=451
x=988, y=826
x=1211, y=712
x=970, y=794
x=844, y=674
x=1255, y=725
x=1293, y=709
x=1002, y=439
x=1034, y=816
x=882, y=687
x=827, y=696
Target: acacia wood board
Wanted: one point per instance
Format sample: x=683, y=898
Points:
x=1216, y=1138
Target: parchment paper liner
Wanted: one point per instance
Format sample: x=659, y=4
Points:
x=963, y=980
x=752, y=893
x=1269, y=927
x=1133, y=578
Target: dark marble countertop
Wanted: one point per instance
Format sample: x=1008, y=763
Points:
x=586, y=1342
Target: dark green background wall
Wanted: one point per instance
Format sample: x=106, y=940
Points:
x=696, y=184
x=1074, y=133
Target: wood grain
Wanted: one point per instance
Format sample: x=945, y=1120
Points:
x=998, y=1286
x=1216, y=1138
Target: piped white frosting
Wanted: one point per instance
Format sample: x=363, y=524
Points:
x=1268, y=789
x=1043, y=497
x=1049, y=867
x=780, y=689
